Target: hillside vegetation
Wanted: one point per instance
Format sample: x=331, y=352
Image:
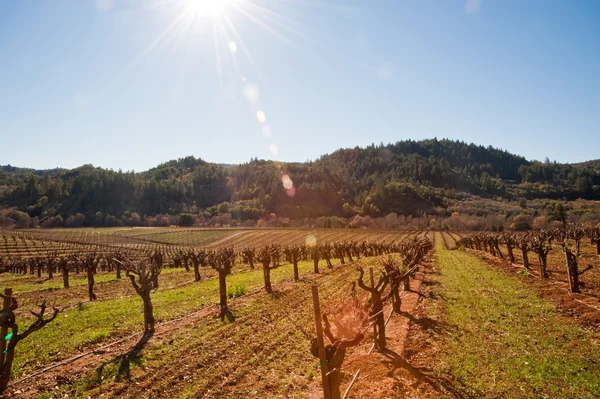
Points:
x=408, y=178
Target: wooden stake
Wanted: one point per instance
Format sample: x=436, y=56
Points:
x=320, y=342
x=374, y=324
x=4, y=329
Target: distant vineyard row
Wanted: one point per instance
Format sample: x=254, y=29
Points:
x=83, y=241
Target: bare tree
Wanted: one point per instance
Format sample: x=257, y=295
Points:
x=315, y=253
x=339, y=250
x=396, y=274
x=248, y=256
x=10, y=340
x=156, y=259
x=222, y=261
x=116, y=260
x=90, y=264
x=540, y=244
x=510, y=241
x=412, y=253
x=572, y=268
x=294, y=253
x=198, y=259
x=64, y=265
x=524, y=245
x=51, y=261
x=376, y=290
x=142, y=275
x=265, y=256
x=326, y=254
x=594, y=235
x=335, y=353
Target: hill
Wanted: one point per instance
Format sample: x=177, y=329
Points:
x=408, y=178
x=593, y=165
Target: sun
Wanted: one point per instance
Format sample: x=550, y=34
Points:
x=210, y=8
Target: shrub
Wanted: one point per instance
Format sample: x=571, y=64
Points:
x=521, y=223
x=236, y=290
x=186, y=219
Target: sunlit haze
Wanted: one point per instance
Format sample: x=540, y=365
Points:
x=130, y=83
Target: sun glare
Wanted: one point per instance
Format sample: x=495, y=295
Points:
x=190, y=20
x=211, y=8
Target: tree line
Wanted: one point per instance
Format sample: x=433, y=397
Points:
x=407, y=178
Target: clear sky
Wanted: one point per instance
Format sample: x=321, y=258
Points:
x=132, y=83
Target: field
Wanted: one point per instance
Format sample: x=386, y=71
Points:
x=456, y=299
x=30, y=243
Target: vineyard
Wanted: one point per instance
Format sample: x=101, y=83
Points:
x=570, y=253
x=155, y=312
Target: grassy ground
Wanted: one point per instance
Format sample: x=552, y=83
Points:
x=96, y=322
x=263, y=353
x=502, y=341
x=30, y=290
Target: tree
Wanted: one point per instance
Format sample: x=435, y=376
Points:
x=523, y=203
x=222, y=261
x=486, y=182
x=396, y=275
x=265, y=256
x=594, y=235
x=326, y=254
x=293, y=255
x=558, y=213
x=51, y=261
x=376, y=291
x=572, y=268
x=90, y=264
x=338, y=250
x=584, y=185
x=510, y=241
x=65, y=264
x=335, y=352
x=8, y=322
x=524, y=244
x=116, y=260
x=540, y=244
x=142, y=275
x=198, y=259
x=521, y=223
x=186, y=219
x=315, y=253
x=248, y=256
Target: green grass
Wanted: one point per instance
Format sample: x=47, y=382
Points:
x=503, y=341
x=28, y=283
x=263, y=353
x=35, y=284
x=236, y=290
x=96, y=322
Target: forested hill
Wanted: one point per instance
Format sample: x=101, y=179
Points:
x=593, y=165
x=408, y=177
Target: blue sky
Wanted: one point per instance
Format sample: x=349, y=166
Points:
x=130, y=84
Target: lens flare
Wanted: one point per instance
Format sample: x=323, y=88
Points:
x=273, y=148
x=311, y=240
x=233, y=47
x=287, y=182
x=260, y=115
x=251, y=92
